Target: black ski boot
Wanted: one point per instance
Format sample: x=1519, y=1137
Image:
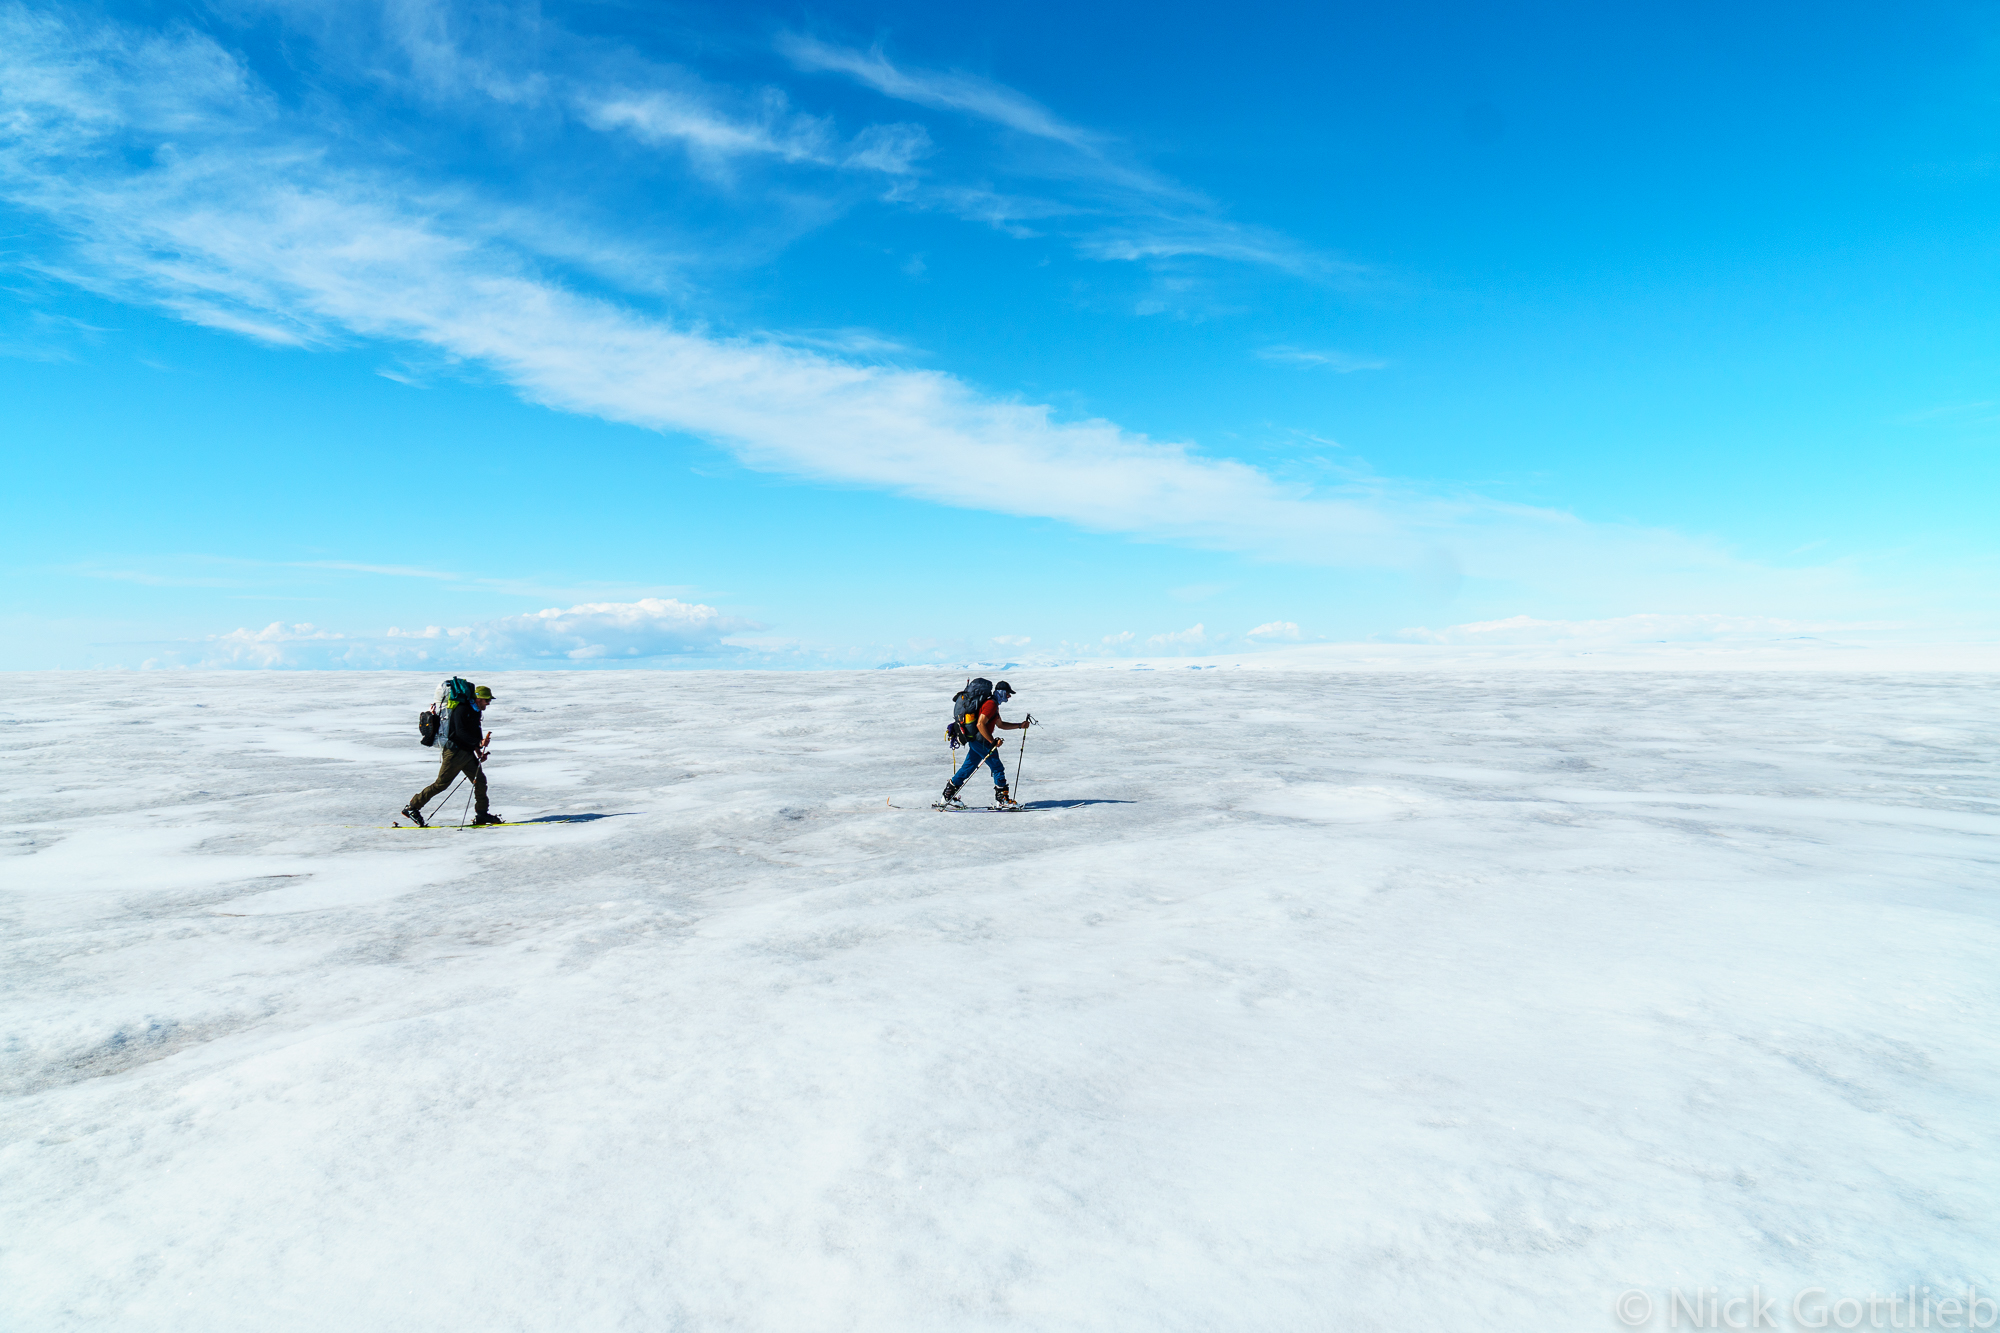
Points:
x=949, y=801
x=488, y=818
x=411, y=813
x=1004, y=799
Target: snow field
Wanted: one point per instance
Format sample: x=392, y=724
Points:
x=1300, y=1000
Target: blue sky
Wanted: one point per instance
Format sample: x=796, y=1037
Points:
x=490, y=334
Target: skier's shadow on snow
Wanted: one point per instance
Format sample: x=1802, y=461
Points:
x=1070, y=805
x=578, y=819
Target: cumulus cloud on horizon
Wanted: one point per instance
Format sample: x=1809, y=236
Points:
x=590, y=634
x=1194, y=636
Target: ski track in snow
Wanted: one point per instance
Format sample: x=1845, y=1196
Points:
x=1313, y=1001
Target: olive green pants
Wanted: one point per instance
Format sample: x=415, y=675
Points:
x=456, y=762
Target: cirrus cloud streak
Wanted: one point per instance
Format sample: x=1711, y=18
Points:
x=177, y=180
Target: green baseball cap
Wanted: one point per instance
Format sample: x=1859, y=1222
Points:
x=482, y=693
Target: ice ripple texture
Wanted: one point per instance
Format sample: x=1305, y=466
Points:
x=1301, y=1000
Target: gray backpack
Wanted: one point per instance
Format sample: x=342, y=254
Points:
x=434, y=719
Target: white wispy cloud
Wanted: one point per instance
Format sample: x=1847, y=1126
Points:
x=845, y=342
x=1275, y=629
x=1340, y=362
x=966, y=93
x=150, y=578
x=274, y=577
x=182, y=183
x=890, y=149
x=1117, y=208
x=388, y=571
x=1159, y=235
x=771, y=129
x=661, y=117
x=1954, y=414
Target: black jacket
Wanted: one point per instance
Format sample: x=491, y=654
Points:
x=461, y=728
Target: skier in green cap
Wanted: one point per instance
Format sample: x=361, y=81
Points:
x=464, y=752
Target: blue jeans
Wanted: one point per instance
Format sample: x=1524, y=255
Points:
x=974, y=752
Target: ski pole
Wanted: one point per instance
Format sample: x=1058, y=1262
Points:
x=445, y=804
x=1021, y=760
x=951, y=751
